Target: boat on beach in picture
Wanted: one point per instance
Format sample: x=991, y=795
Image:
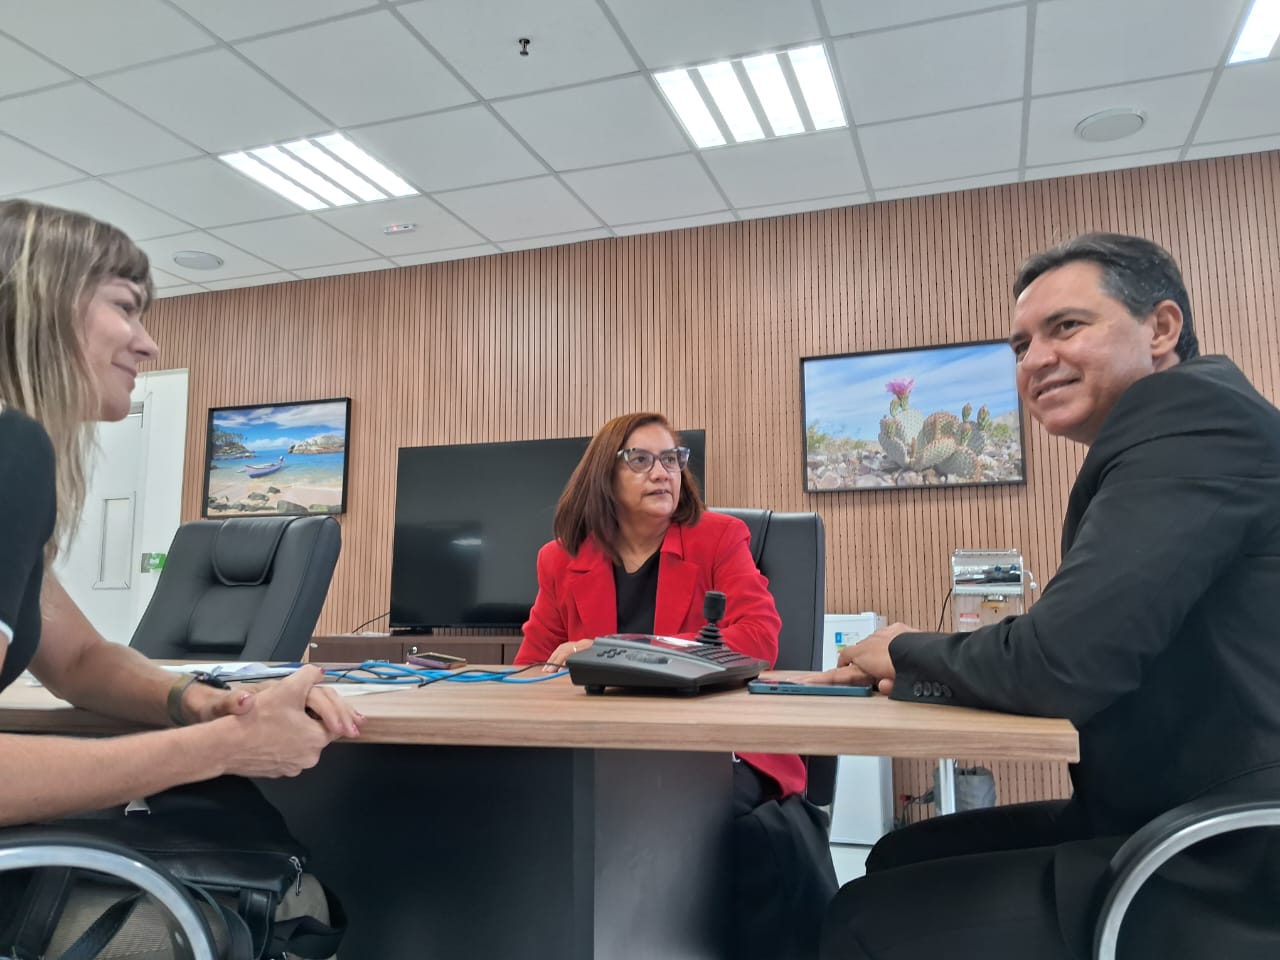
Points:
x=262, y=469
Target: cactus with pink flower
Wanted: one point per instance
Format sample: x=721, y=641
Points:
x=948, y=444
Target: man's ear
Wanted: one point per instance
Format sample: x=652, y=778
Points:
x=1166, y=327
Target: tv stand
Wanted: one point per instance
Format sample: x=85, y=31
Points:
x=483, y=648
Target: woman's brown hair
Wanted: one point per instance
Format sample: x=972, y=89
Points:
x=587, y=507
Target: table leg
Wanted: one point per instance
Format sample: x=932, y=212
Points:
x=495, y=852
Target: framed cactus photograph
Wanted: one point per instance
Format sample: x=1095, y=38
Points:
x=933, y=416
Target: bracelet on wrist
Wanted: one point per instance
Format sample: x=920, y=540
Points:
x=179, y=689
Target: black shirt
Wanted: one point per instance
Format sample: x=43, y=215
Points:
x=28, y=506
x=637, y=595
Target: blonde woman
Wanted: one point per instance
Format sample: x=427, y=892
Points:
x=73, y=292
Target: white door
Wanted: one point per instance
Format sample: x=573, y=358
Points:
x=132, y=506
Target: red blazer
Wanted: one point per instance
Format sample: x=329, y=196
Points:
x=577, y=600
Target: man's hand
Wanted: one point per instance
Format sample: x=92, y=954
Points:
x=871, y=657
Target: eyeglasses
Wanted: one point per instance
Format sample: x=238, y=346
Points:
x=641, y=461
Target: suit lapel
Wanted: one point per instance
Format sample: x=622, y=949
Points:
x=677, y=581
x=590, y=583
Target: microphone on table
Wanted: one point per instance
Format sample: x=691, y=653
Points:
x=713, y=609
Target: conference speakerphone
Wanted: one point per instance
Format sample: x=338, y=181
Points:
x=639, y=661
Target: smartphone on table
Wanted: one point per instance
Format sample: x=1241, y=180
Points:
x=809, y=689
x=435, y=661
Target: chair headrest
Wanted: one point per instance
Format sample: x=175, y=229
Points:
x=757, y=521
x=243, y=549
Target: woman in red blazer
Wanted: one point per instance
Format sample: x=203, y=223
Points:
x=635, y=551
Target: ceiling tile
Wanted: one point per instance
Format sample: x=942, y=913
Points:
x=1087, y=43
x=1146, y=159
x=933, y=67
x=458, y=148
x=949, y=146
x=233, y=19
x=216, y=100
x=1231, y=147
x=559, y=240
x=1170, y=107
x=852, y=16
x=1243, y=104
x=679, y=223
x=948, y=186
x=648, y=190
x=79, y=125
x=524, y=208
x=437, y=228
x=793, y=168
x=339, y=269
x=294, y=242
x=359, y=69
x=106, y=203
x=592, y=125
x=803, y=206
x=22, y=168
x=676, y=32
x=205, y=192
x=161, y=280
x=439, y=256
x=89, y=38
x=570, y=41
x=258, y=281
x=21, y=70
x=182, y=290
x=236, y=263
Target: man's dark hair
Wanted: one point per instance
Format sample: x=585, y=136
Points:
x=1135, y=271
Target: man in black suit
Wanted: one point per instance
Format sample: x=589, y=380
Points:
x=1157, y=638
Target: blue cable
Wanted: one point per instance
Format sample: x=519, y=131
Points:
x=384, y=672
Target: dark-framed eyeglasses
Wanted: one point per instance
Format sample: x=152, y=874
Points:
x=642, y=461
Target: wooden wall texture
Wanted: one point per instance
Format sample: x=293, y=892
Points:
x=709, y=325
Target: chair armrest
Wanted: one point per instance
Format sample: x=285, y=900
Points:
x=1158, y=842
x=24, y=848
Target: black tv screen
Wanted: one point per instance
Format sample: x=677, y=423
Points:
x=470, y=519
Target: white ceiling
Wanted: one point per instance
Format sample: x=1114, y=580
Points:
x=120, y=109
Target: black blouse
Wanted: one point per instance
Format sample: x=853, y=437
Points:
x=637, y=595
x=28, y=505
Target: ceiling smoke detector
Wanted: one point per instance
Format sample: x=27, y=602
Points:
x=197, y=260
x=1110, y=125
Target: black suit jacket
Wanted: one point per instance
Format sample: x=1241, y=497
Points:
x=1159, y=637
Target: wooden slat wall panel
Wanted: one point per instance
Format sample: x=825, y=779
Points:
x=708, y=325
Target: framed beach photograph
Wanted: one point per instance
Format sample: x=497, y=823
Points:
x=286, y=459
x=935, y=416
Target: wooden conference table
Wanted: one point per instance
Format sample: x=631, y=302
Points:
x=534, y=821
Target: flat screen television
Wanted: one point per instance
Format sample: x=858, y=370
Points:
x=470, y=519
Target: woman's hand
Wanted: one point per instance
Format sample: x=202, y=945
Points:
x=286, y=726
x=561, y=653
x=206, y=703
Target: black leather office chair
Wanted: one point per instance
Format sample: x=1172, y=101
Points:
x=790, y=550
x=51, y=852
x=243, y=589
x=1158, y=842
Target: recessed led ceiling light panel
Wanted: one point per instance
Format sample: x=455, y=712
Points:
x=320, y=173
x=760, y=97
x=1259, y=33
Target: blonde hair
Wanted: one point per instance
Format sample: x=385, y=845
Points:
x=51, y=263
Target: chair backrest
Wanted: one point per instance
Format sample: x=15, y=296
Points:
x=790, y=550
x=243, y=589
